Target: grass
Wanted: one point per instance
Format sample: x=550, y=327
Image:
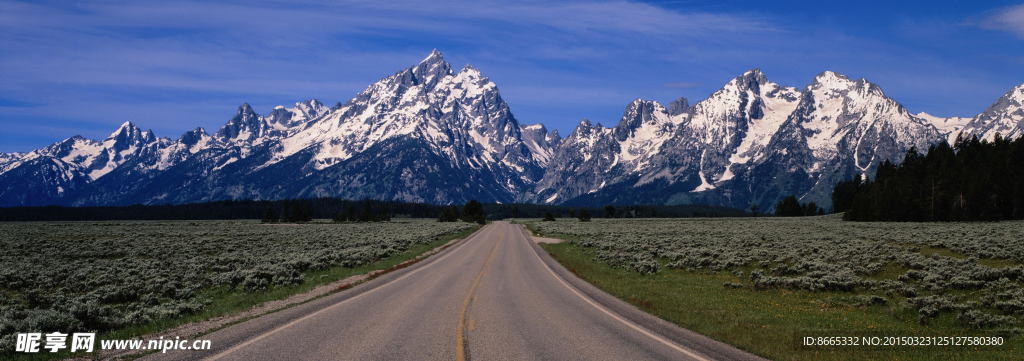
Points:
x=225, y=301
x=772, y=322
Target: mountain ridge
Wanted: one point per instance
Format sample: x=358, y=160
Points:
x=431, y=134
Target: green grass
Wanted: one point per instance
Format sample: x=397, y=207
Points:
x=771, y=322
x=225, y=301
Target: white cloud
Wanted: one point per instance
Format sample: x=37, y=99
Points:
x=1009, y=19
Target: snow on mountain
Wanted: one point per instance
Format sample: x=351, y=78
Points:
x=431, y=134
x=461, y=114
x=540, y=142
x=740, y=145
x=395, y=136
x=8, y=158
x=735, y=123
x=582, y=163
x=287, y=120
x=950, y=126
x=854, y=117
x=1004, y=117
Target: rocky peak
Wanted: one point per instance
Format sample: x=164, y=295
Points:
x=751, y=79
x=1004, y=117
x=245, y=125
x=430, y=70
x=678, y=106
x=637, y=113
x=129, y=135
x=193, y=136
x=831, y=80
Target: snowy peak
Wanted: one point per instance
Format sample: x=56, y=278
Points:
x=637, y=114
x=285, y=119
x=1005, y=117
x=246, y=126
x=950, y=126
x=750, y=79
x=195, y=139
x=540, y=141
x=127, y=136
x=430, y=69
x=833, y=85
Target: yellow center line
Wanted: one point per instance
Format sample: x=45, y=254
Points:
x=460, y=343
x=266, y=334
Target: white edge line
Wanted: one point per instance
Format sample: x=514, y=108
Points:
x=325, y=309
x=632, y=325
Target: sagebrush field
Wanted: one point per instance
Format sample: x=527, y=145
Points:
x=99, y=276
x=760, y=282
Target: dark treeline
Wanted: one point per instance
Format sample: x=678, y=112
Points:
x=472, y=212
x=344, y=210
x=971, y=181
x=502, y=211
x=282, y=210
x=791, y=207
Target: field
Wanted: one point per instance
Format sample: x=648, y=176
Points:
x=764, y=283
x=145, y=275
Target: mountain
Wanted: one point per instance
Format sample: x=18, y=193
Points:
x=430, y=133
x=1004, y=117
x=950, y=126
x=749, y=143
x=424, y=134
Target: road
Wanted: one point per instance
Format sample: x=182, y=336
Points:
x=493, y=296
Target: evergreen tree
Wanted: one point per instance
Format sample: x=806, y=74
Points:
x=473, y=211
x=583, y=215
x=789, y=207
x=549, y=217
x=449, y=214
x=973, y=180
x=609, y=211
x=269, y=216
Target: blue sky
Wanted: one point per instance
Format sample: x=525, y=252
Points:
x=84, y=67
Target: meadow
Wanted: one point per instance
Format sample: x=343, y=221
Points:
x=764, y=283
x=147, y=275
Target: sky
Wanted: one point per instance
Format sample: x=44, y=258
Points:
x=84, y=67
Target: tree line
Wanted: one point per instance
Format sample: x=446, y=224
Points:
x=973, y=180
x=472, y=212
x=791, y=207
x=302, y=210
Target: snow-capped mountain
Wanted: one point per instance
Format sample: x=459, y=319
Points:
x=540, y=141
x=950, y=126
x=1004, y=117
x=431, y=134
x=424, y=134
x=749, y=143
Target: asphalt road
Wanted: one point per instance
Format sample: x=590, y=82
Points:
x=493, y=296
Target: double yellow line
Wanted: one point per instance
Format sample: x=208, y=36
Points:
x=460, y=329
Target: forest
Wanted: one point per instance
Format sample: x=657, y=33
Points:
x=973, y=180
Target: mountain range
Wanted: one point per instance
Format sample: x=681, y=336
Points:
x=432, y=134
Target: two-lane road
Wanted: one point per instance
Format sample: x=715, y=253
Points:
x=494, y=296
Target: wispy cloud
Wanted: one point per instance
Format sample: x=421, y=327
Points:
x=681, y=84
x=1009, y=19
x=174, y=65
